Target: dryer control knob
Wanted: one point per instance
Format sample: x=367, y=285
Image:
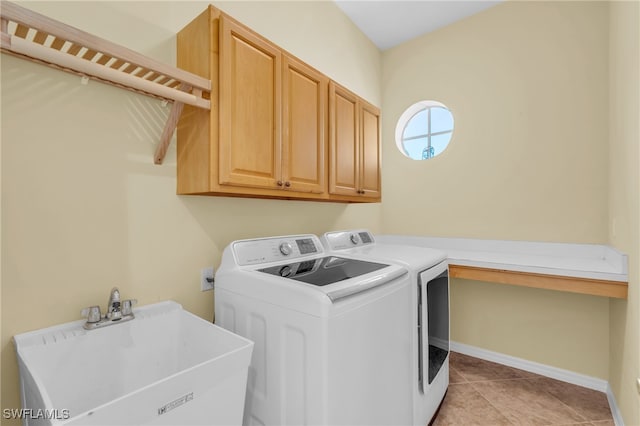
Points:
x=354, y=238
x=286, y=248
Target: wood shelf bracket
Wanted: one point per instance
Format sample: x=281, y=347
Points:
x=35, y=37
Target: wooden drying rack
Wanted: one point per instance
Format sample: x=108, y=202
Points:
x=40, y=39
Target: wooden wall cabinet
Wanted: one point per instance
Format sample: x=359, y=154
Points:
x=272, y=115
x=304, y=127
x=266, y=133
x=354, y=146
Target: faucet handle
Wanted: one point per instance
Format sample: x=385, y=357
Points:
x=127, y=305
x=92, y=314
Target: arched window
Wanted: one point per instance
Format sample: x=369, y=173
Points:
x=424, y=130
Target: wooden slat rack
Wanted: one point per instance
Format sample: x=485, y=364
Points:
x=37, y=38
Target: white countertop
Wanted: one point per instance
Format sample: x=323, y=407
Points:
x=572, y=260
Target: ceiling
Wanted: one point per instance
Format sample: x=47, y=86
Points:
x=389, y=23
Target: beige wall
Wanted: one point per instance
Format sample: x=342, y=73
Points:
x=527, y=83
x=85, y=209
x=624, y=200
x=545, y=326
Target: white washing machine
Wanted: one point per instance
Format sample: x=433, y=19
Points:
x=332, y=333
x=430, y=311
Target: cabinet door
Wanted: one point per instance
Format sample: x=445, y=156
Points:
x=370, y=149
x=304, y=112
x=344, y=146
x=250, y=105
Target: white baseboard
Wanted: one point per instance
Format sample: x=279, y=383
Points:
x=615, y=412
x=574, y=378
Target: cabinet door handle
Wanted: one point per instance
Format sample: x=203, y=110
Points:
x=279, y=183
x=287, y=184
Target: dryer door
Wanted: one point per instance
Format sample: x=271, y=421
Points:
x=433, y=323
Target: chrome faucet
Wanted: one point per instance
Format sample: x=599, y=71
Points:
x=113, y=306
x=117, y=311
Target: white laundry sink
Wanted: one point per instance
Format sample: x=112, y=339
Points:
x=166, y=366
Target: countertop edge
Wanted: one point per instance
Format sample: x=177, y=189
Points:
x=563, y=259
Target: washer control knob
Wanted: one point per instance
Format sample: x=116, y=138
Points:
x=354, y=239
x=286, y=248
x=285, y=271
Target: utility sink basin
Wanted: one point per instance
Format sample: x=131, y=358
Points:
x=166, y=366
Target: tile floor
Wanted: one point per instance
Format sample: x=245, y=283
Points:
x=485, y=393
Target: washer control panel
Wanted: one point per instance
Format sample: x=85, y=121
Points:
x=340, y=240
x=266, y=250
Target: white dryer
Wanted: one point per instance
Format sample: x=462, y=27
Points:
x=332, y=333
x=430, y=311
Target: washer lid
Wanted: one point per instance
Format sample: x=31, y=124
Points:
x=324, y=270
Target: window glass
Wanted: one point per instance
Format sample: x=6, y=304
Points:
x=424, y=130
x=441, y=120
x=415, y=147
x=417, y=125
x=440, y=142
